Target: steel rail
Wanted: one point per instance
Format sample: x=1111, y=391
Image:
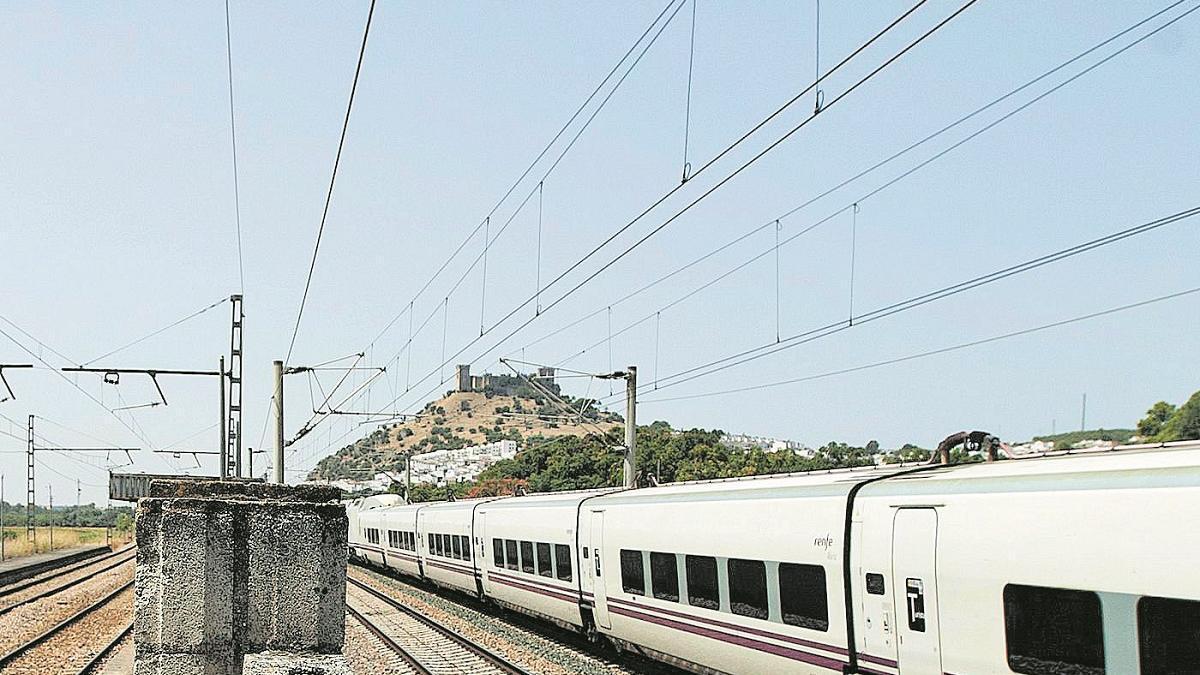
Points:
x=388, y=642
x=25, y=648
x=491, y=657
x=106, y=650
x=21, y=585
x=62, y=587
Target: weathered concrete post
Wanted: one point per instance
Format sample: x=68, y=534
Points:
x=237, y=577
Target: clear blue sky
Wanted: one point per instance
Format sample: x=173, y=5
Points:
x=118, y=217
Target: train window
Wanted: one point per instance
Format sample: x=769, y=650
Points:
x=412, y=541
x=633, y=575
x=466, y=546
x=438, y=549
x=456, y=544
x=543, y=560
x=510, y=549
x=875, y=584
x=527, y=557
x=802, y=596
x=430, y=549
x=748, y=588
x=1053, y=630
x=1168, y=635
x=497, y=553
x=562, y=561
x=702, y=588
x=664, y=576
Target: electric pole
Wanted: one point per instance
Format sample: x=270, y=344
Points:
x=232, y=438
x=29, y=533
x=1083, y=414
x=279, y=443
x=629, y=468
x=629, y=463
x=223, y=443
x=50, y=488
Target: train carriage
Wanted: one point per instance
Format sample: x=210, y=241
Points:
x=445, y=529
x=529, y=556
x=367, y=519
x=399, y=538
x=1074, y=564
x=730, y=576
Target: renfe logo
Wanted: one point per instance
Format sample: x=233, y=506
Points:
x=823, y=542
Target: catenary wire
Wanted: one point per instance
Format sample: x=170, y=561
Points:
x=933, y=352
x=874, y=72
x=157, y=332
x=693, y=203
x=362, y=50
x=884, y=162
x=811, y=335
x=237, y=201
x=541, y=155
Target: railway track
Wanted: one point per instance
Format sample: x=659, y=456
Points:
x=16, y=596
x=540, y=646
x=92, y=663
x=47, y=651
x=426, y=646
x=19, y=586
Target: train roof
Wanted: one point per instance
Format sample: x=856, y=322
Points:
x=1175, y=463
x=1167, y=464
x=1144, y=466
x=568, y=498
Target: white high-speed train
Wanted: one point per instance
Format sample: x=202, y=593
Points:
x=1081, y=564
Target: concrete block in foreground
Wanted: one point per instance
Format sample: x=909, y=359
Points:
x=228, y=569
x=289, y=663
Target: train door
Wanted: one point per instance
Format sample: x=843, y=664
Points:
x=479, y=559
x=597, y=572
x=914, y=580
x=422, y=547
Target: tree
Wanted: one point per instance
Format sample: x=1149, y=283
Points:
x=124, y=522
x=497, y=487
x=1156, y=417
x=1184, y=424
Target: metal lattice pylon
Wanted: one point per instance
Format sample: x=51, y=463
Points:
x=29, y=483
x=233, y=440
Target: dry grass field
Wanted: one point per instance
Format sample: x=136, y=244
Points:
x=16, y=544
